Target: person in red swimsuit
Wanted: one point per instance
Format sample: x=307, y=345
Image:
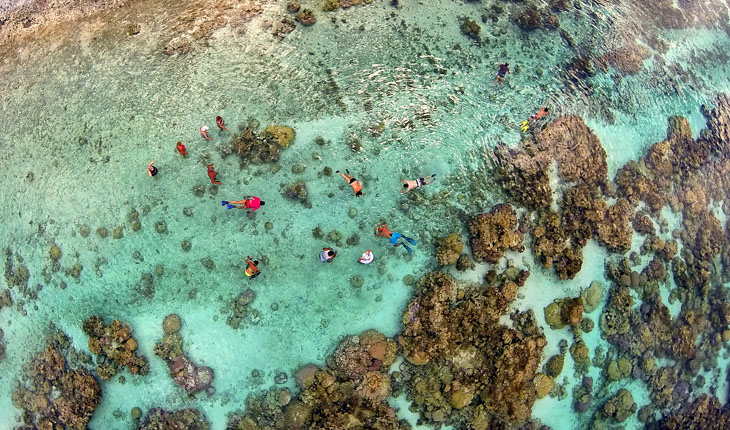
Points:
x=212, y=174
x=219, y=122
x=181, y=149
x=252, y=203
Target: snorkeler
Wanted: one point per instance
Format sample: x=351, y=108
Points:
x=418, y=183
x=252, y=202
x=383, y=230
x=367, y=257
x=151, y=169
x=252, y=270
x=212, y=174
x=181, y=149
x=354, y=183
x=503, y=70
x=204, y=132
x=533, y=119
x=219, y=123
x=327, y=255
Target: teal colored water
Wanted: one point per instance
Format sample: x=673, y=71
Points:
x=86, y=109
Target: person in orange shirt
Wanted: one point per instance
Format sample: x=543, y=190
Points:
x=212, y=174
x=354, y=183
x=252, y=270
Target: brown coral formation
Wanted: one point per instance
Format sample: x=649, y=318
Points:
x=461, y=358
x=189, y=376
x=53, y=395
x=493, y=233
x=115, y=347
x=257, y=147
x=705, y=412
x=350, y=392
x=187, y=419
x=449, y=249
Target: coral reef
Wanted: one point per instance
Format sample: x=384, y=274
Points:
x=469, y=27
x=329, y=398
x=191, y=377
x=240, y=309
x=260, y=147
x=160, y=419
x=493, y=233
x=461, y=359
x=620, y=406
x=298, y=191
x=114, y=346
x=448, y=249
x=705, y=412
x=53, y=395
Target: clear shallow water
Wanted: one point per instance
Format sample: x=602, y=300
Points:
x=85, y=109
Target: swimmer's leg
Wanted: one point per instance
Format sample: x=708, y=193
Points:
x=406, y=247
x=411, y=241
x=223, y=203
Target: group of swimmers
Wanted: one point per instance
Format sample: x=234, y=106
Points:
x=253, y=203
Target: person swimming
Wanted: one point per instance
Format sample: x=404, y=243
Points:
x=418, y=183
x=151, y=169
x=219, y=123
x=212, y=174
x=253, y=203
x=252, y=270
x=503, y=70
x=327, y=255
x=532, y=120
x=181, y=149
x=204, y=132
x=367, y=257
x=383, y=230
x=354, y=183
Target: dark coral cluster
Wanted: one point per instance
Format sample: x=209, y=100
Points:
x=52, y=394
x=254, y=146
x=462, y=366
x=349, y=392
x=114, y=346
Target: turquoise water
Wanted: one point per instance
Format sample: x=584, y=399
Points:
x=85, y=107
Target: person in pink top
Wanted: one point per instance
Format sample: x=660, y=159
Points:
x=252, y=203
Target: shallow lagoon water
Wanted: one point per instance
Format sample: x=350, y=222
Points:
x=86, y=107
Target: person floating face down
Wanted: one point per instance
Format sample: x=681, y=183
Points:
x=354, y=183
x=252, y=270
x=418, y=183
x=383, y=230
x=181, y=149
x=252, y=203
x=327, y=255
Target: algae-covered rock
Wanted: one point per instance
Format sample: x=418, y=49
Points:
x=620, y=406
x=55, y=252
x=554, y=366
x=592, y=296
x=579, y=352
x=171, y=324
x=283, y=135
x=543, y=385
x=553, y=316
x=448, y=250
